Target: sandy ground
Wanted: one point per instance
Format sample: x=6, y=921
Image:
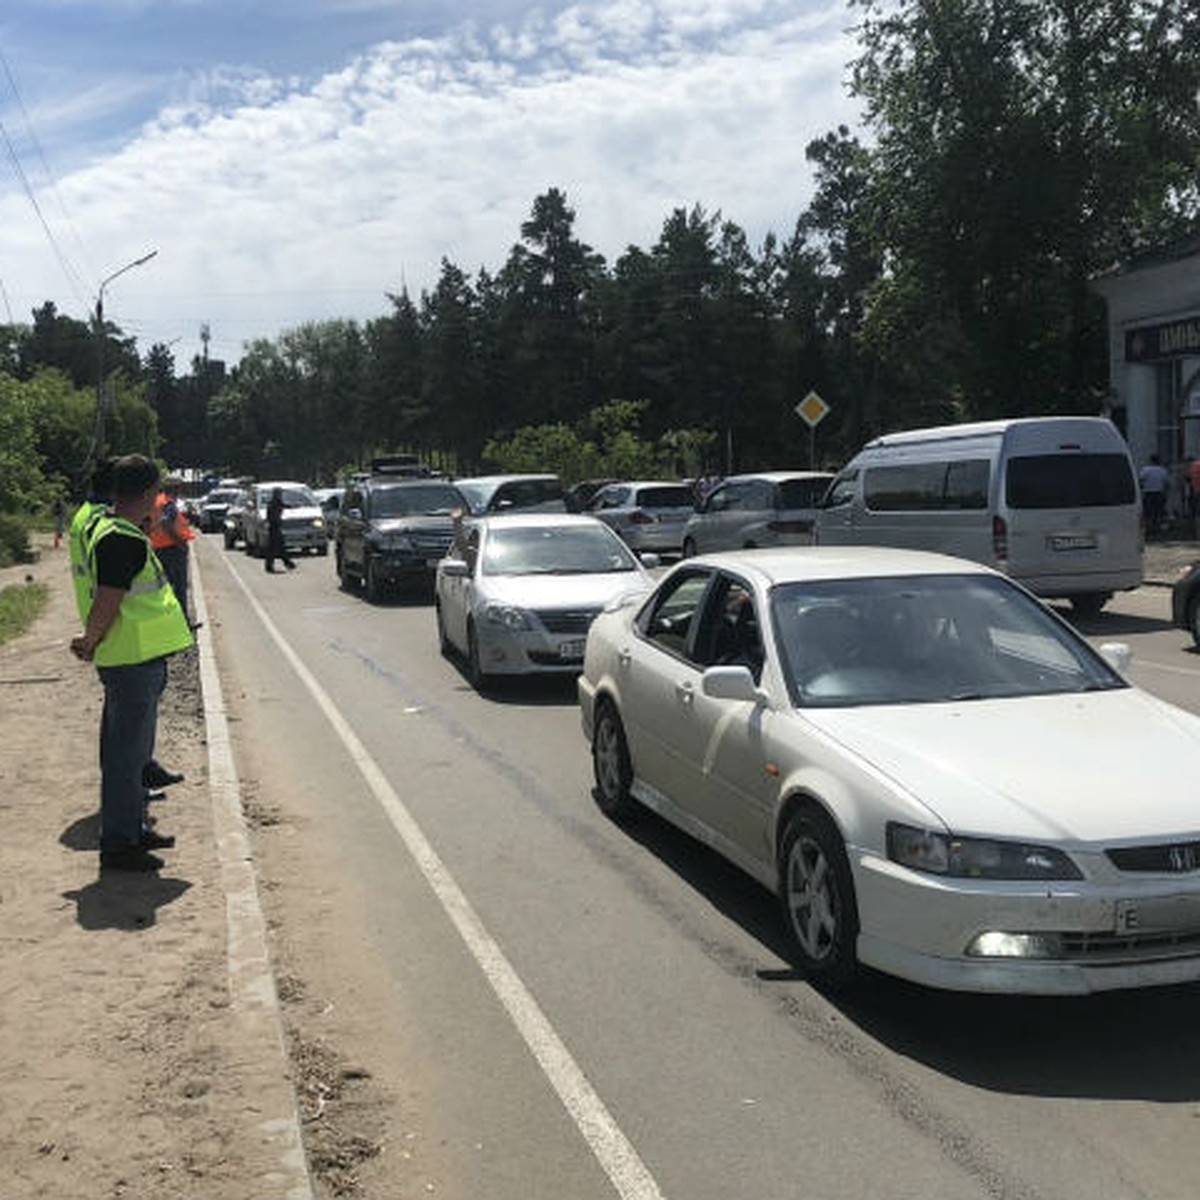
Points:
x=125, y=1069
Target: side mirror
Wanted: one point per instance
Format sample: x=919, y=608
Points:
x=1118, y=655
x=732, y=683
x=455, y=568
x=649, y=560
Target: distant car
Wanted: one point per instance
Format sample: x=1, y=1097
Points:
x=234, y=524
x=579, y=495
x=518, y=592
x=649, y=514
x=770, y=508
x=303, y=522
x=1185, y=601
x=508, y=493
x=392, y=530
x=930, y=767
x=211, y=509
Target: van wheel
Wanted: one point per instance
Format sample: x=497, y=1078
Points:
x=1089, y=604
x=689, y=548
x=1194, y=622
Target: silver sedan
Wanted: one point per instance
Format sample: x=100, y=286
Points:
x=518, y=592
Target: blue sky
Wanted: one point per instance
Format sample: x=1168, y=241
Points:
x=297, y=160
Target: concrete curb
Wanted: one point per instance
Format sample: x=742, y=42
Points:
x=253, y=997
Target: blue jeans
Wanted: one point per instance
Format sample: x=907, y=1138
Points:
x=127, y=727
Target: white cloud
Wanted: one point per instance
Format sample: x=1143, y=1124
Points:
x=272, y=201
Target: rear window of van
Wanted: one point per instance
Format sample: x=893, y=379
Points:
x=1070, y=481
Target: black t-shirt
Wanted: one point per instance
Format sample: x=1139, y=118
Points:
x=119, y=558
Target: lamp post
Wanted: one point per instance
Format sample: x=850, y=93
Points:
x=101, y=445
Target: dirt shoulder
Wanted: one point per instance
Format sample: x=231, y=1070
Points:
x=124, y=1069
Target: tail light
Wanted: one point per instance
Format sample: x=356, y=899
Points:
x=1000, y=538
x=637, y=517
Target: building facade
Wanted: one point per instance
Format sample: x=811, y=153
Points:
x=1154, y=355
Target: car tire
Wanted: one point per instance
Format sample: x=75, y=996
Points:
x=230, y=541
x=323, y=551
x=1088, y=604
x=444, y=645
x=371, y=582
x=689, y=548
x=817, y=893
x=611, y=766
x=480, y=679
x=1194, y=621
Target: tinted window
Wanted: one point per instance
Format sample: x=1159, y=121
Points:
x=426, y=500
x=665, y=497
x=841, y=490
x=927, y=486
x=1070, y=481
x=802, y=493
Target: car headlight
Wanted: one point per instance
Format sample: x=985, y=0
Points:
x=507, y=616
x=975, y=858
x=318, y=522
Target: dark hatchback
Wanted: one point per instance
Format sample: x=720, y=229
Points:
x=393, y=531
x=1185, y=602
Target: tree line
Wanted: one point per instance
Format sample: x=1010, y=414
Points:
x=1010, y=151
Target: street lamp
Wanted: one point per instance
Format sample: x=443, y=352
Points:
x=101, y=446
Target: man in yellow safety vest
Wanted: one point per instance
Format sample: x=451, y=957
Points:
x=134, y=622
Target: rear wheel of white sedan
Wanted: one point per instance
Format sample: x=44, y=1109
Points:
x=610, y=764
x=818, y=898
x=480, y=679
x=443, y=641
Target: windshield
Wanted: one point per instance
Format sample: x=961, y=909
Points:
x=555, y=550
x=293, y=497
x=433, y=499
x=925, y=639
x=666, y=497
x=221, y=496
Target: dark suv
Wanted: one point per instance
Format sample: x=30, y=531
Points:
x=393, y=530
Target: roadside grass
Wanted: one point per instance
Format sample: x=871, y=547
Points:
x=20, y=605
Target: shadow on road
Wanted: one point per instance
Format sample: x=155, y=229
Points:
x=123, y=900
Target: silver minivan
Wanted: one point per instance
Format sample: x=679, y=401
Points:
x=770, y=508
x=1050, y=501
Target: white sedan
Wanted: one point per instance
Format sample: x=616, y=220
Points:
x=938, y=777
x=518, y=592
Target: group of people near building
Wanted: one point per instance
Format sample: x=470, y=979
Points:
x=1167, y=495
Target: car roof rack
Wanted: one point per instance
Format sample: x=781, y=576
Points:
x=399, y=464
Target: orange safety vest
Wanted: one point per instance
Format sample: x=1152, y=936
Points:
x=168, y=526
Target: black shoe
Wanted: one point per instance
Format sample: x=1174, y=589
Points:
x=132, y=859
x=269, y=570
x=194, y=625
x=155, y=795
x=159, y=777
x=291, y=566
x=156, y=841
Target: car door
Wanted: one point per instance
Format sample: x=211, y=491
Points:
x=712, y=531
x=658, y=687
x=457, y=591
x=734, y=794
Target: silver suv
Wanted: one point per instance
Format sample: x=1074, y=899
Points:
x=771, y=508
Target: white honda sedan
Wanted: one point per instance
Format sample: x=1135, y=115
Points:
x=517, y=592
x=938, y=777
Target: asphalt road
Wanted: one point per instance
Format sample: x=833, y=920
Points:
x=561, y=1007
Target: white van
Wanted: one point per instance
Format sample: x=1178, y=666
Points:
x=1051, y=501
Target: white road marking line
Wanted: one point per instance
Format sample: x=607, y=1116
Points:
x=613, y=1150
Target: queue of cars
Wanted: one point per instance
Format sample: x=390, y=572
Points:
x=927, y=765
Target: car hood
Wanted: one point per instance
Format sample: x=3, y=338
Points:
x=560, y=591
x=1099, y=766
x=302, y=512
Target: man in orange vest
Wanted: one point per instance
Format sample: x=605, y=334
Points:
x=169, y=533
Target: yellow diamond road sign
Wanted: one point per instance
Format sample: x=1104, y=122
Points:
x=811, y=409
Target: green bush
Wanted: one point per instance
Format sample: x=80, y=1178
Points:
x=14, y=540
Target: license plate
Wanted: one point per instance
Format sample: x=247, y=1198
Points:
x=571, y=650
x=1072, y=541
x=1158, y=914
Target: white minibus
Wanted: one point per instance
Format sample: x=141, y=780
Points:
x=1052, y=502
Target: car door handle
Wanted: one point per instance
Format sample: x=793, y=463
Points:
x=624, y=656
x=685, y=693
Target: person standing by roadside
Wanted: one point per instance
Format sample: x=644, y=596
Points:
x=1154, y=479
x=170, y=534
x=276, y=546
x=134, y=622
x=1193, y=479
x=60, y=520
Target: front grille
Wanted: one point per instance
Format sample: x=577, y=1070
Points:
x=567, y=620
x=433, y=545
x=1175, y=858
x=1117, y=948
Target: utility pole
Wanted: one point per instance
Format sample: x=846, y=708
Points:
x=101, y=436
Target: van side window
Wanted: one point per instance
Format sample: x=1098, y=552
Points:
x=967, y=483
x=927, y=487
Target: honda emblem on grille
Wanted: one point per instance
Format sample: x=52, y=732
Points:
x=1182, y=858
